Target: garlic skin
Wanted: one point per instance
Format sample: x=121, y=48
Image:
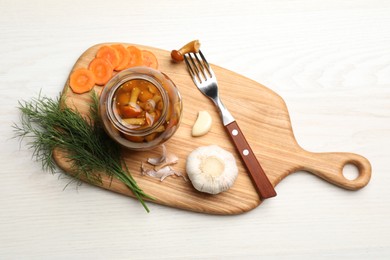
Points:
x=162, y=166
x=202, y=124
x=161, y=173
x=159, y=160
x=211, y=169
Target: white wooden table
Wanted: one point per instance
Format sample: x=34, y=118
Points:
x=329, y=60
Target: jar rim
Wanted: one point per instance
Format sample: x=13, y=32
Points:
x=116, y=83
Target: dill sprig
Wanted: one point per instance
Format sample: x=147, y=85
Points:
x=49, y=124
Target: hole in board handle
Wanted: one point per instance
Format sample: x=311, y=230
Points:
x=351, y=171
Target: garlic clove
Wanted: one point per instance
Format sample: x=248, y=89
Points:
x=211, y=169
x=202, y=124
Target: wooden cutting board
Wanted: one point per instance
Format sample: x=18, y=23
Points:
x=262, y=116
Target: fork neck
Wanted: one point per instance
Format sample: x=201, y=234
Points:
x=227, y=118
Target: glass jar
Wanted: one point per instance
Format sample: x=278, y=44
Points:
x=140, y=108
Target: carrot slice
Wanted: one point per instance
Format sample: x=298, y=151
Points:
x=149, y=59
x=124, y=56
x=110, y=54
x=81, y=80
x=102, y=69
x=135, y=57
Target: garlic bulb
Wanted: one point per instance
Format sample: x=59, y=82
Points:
x=202, y=124
x=211, y=169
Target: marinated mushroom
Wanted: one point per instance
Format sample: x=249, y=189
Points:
x=178, y=55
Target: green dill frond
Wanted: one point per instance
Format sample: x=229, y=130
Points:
x=49, y=125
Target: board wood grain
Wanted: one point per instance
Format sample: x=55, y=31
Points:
x=264, y=119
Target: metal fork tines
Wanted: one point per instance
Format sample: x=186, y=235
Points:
x=199, y=67
x=204, y=78
x=206, y=81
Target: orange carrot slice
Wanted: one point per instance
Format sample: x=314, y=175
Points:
x=81, y=80
x=149, y=59
x=110, y=54
x=135, y=57
x=124, y=57
x=102, y=70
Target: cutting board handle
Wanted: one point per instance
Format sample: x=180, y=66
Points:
x=330, y=166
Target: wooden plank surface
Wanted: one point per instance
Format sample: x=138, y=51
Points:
x=262, y=116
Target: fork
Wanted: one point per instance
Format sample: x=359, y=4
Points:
x=206, y=81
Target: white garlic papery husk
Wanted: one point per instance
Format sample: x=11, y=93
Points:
x=161, y=159
x=161, y=173
x=211, y=169
x=162, y=166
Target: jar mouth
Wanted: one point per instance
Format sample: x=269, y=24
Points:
x=117, y=120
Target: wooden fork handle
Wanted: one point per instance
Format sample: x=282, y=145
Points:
x=263, y=186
